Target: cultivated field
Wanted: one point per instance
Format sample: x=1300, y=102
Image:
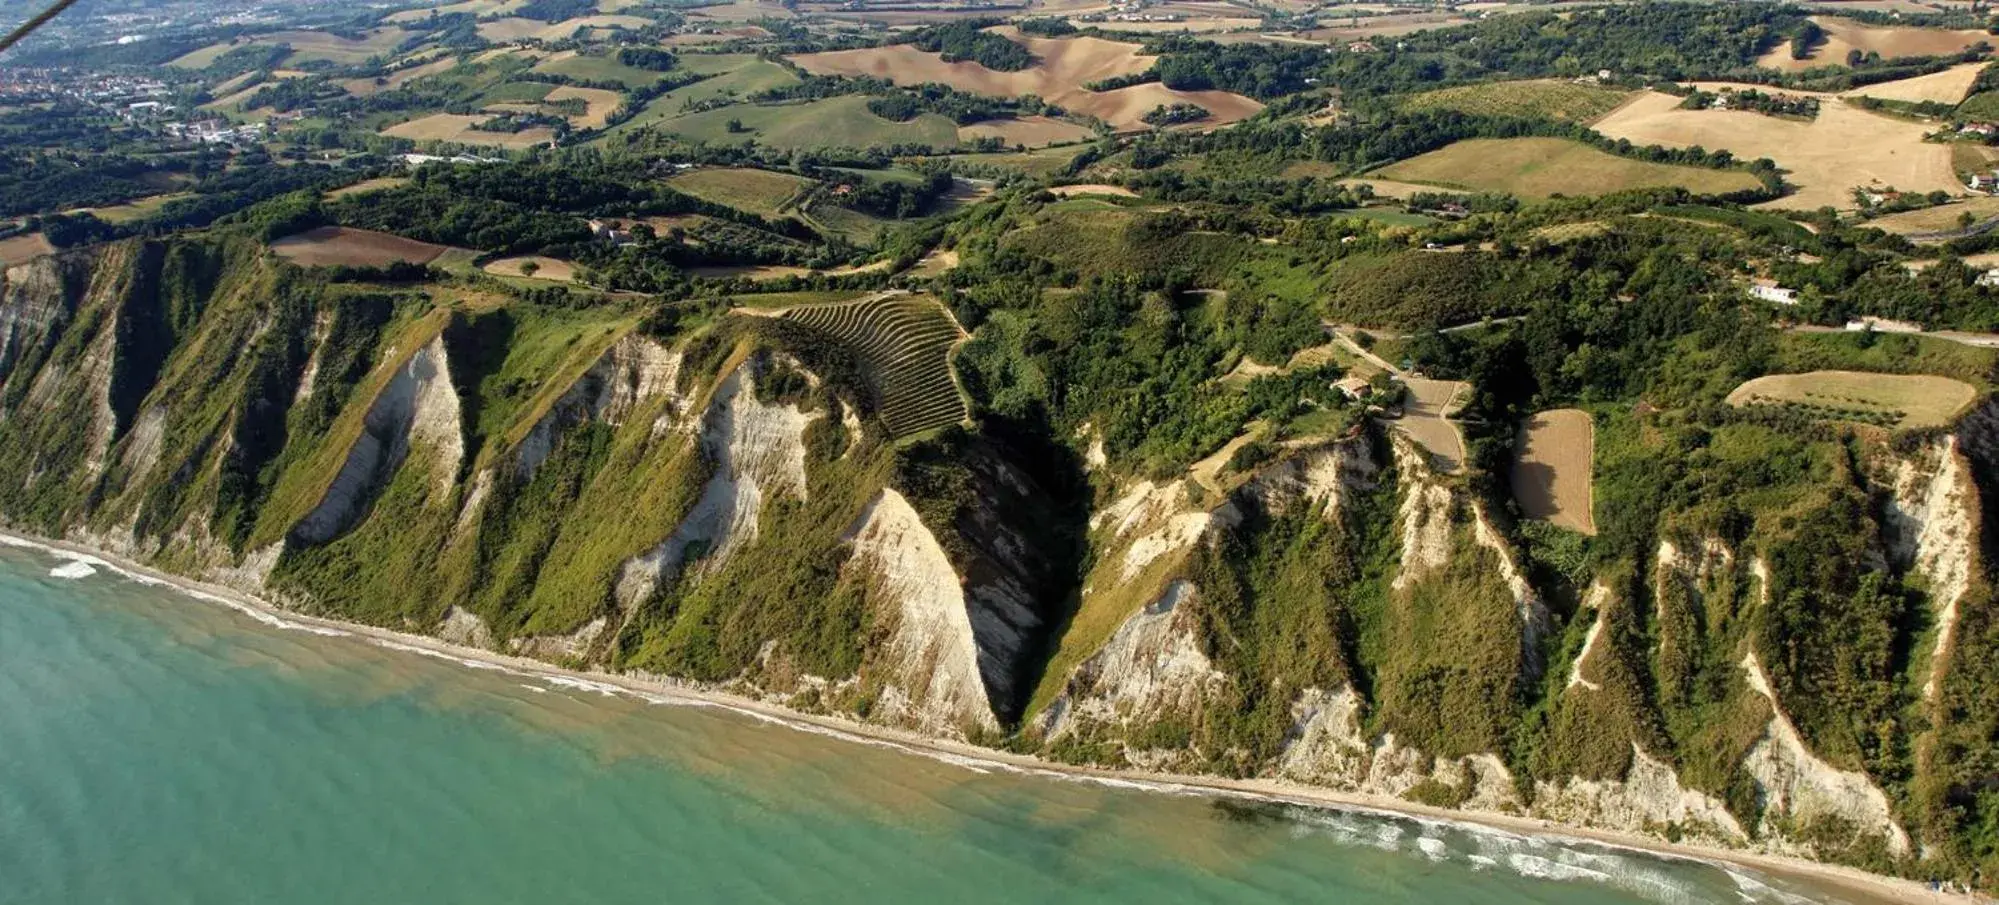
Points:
x=22, y=249
x=904, y=344
x=1077, y=191
x=1826, y=157
x=501, y=31
x=457, y=127
x=1892, y=400
x=1066, y=65
x=835, y=122
x=324, y=246
x=1550, y=98
x=366, y=186
x=545, y=268
x=1946, y=87
x=1942, y=218
x=599, y=104
x=756, y=191
x=398, y=78
x=595, y=68
x=1426, y=419
x=1551, y=469
x=1843, y=35
x=1541, y=167
x=1030, y=131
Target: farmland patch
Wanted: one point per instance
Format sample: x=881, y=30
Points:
x=1541, y=167
x=324, y=246
x=1887, y=400
x=903, y=344
x=1552, y=469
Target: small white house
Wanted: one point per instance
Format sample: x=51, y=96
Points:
x=1769, y=291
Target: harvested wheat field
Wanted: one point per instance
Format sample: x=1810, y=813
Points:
x=1551, y=469
x=22, y=249
x=1542, y=167
x=457, y=127
x=545, y=268
x=1946, y=87
x=1942, y=218
x=1826, y=158
x=1031, y=131
x=327, y=246
x=599, y=104
x=1889, y=400
x=1890, y=41
x=399, y=78
x=1426, y=419
x=1066, y=65
x=1074, y=191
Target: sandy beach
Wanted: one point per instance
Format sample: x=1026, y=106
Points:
x=1845, y=881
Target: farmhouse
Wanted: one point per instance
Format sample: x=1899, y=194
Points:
x=1769, y=291
x=1983, y=183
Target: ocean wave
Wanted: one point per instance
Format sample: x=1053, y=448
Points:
x=72, y=570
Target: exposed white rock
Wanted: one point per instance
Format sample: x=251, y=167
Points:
x=1649, y=796
x=418, y=406
x=1930, y=527
x=934, y=683
x=1151, y=667
x=1535, y=621
x=322, y=326
x=1325, y=746
x=462, y=626
x=1425, y=515
x=1796, y=783
x=561, y=647
x=759, y=452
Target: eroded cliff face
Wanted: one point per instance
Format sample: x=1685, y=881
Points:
x=713, y=510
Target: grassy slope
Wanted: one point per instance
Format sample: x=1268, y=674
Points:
x=1540, y=167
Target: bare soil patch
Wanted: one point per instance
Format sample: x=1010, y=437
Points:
x=1552, y=469
x=457, y=127
x=325, y=246
x=22, y=249
x=1032, y=131
x=1072, y=191
x=545, y=268
x=1426, y=419
x=398, y=78
x=1920, y=400
x=1947, y=87
x=1067, y=64
x=600, y=104
x=1827, y=157
x=1942, y=218
x=1843, y=35
x=1543, y=167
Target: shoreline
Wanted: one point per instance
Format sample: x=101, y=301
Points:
x=1842, y=880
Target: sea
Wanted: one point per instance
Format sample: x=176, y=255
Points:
x=156, y=747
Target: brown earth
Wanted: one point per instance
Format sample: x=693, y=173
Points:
x=1032, y=131
x=546, y=268
x=1552, y=469
x=1066, y=65
x=1843, y=35
x=22, y=249
x=324, y=246
x=1827, y=157
x=458, y=127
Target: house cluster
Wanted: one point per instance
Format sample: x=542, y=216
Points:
x=217, y=132
x=417, y=160
x=1983, y=182
x=1980, y=130
x=1601, y=76
x=616, y=232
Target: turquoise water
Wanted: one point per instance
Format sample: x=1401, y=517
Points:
x=159, y=749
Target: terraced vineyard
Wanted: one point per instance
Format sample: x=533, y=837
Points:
x=904, y=343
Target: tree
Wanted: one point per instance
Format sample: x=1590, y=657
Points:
x=530, y=268
x=735, y=126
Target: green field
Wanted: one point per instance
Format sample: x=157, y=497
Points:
x=600, y=69
x=837, y=122
x=747, y=79
x=1536, y=168
x=756, y=191
x=904, y=343
x=1537, y=98
x=1043, y=162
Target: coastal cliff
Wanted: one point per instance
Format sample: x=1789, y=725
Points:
x=713, y=502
